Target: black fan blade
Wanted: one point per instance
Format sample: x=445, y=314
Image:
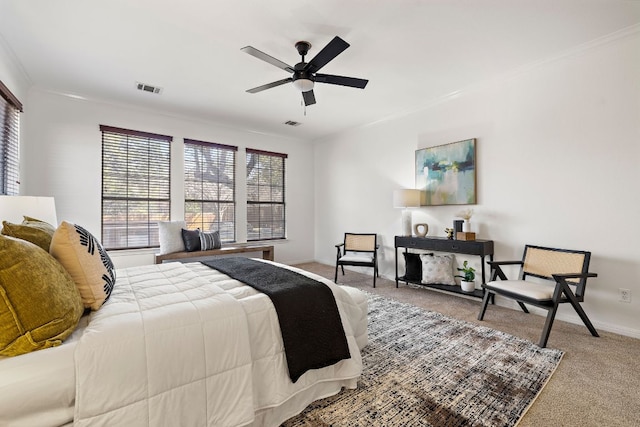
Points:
x=341, y=80
x=309, y=97
x=270, y=85
x=334, y=48
x=267, y=58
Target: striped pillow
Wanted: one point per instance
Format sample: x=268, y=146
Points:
x=209, y=240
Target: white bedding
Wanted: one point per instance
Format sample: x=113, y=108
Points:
x=38, y=389
x=264, y=395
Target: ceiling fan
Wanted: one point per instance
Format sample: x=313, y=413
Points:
x=305, y=74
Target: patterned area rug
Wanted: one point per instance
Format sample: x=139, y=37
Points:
x=425, y=369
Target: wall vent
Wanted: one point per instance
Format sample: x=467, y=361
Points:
x=148, y=88
x=292, y=123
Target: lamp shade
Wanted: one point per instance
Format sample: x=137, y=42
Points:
x=406, y=198
x=13, y=208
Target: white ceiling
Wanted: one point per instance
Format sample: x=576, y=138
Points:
x=413, y=52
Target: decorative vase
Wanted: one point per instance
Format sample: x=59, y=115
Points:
x=468, y=286
x=466, y=226
x=420, y=230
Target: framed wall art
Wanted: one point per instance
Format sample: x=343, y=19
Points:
x=446, y=174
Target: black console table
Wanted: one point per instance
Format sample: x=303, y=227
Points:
x=480, y=248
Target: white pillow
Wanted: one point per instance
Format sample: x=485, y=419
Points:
x=437, y=269
x=171, y=236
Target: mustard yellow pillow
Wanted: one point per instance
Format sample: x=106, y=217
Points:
x=32, y=230
x=39, y=304
x=87, y=262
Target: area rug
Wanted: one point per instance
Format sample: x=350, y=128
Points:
x=422, y=368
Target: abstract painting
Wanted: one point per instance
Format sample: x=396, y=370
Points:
x=447, y=173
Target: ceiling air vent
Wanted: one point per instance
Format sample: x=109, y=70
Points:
x=292, y=123
x=148, y=88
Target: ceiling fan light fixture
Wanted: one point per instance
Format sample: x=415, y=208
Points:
x=303, y=85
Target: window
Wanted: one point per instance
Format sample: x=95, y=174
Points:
x=209, y=187
x=135, y=187
x=10, y=109
x=265, y=195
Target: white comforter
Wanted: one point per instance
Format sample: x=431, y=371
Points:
x=182, y=344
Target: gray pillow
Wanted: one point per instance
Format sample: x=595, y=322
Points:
x=210, y=240
x=191, y=239
x=437, y=269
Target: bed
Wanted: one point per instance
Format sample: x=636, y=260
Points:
x=176, y=344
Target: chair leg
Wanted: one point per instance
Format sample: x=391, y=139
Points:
x=485, y=302
x=342, y=267
x=523, y=307
x=576, y=305
x=547, y=326
x=374, y=278
x=335, y=279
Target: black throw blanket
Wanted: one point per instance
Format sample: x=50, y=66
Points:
x=311, y=328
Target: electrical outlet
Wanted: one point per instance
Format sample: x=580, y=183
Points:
x=625, y=295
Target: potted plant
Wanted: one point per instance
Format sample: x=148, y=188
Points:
x=467, y=283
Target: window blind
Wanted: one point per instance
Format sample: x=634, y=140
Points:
x=10, y=109
x=265, y=195
x=135, y=187
x=209, y=187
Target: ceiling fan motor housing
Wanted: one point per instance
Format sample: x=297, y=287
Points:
x=300, y=73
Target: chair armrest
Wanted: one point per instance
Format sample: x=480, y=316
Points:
x=565, y=276
x=496, y=271
x=498, y=263
x=341, y=244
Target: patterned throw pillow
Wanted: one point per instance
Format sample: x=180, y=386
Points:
x=40, y=304
x=437, y=269
x=210, y=240
x=87, y=262
x=170, y=236
x=191, y=239
x=32, y=230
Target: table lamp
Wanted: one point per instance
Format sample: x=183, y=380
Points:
x=405, y=199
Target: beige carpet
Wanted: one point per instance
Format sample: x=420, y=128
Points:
x=596, y=384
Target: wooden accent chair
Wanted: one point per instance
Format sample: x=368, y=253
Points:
x=358, y=249
x=565, y=273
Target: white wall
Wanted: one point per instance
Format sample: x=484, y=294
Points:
x=558, y=148
x=11, y=74
x=62, y=158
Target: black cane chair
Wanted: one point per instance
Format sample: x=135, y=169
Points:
x=358, y=249
x=565, y=274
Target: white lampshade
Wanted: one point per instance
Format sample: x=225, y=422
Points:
x=303, y=85
x=14, y=208
x=406, y=198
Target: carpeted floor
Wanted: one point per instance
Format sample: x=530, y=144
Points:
x=422, y=368
x=596, y=384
